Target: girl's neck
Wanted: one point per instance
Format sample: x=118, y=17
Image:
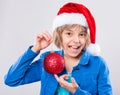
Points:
x=70, y=62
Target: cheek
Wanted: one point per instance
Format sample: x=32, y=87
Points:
x=83, y=41
x=65, y=40
x=65, y=43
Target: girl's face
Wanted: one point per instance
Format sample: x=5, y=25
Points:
x=74, y=41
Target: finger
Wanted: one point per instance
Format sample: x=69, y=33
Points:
x=74, y=82
x=56, y=77
x=39, y=36
x=64, y=83
x=47, y=36
x=58, y=80
x=65, y=76
x=51, y=40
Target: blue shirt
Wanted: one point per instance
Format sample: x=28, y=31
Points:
x=91, y=74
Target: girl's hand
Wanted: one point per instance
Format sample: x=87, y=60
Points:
x=42, y=41
x=71, y=87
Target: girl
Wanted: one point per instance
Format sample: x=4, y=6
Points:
x=85, y=72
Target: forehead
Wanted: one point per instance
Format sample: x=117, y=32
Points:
x=75, y=28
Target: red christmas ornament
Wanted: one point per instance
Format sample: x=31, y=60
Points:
x=54, y=63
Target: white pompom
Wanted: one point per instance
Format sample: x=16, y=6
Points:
x=94, y=49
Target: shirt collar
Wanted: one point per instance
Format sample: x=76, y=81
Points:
x=84, y=58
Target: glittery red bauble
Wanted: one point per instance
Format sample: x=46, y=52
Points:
x=54, y=63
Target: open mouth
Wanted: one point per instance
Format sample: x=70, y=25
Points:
x=74, y=48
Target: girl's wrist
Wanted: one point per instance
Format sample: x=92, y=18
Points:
x=34, y=49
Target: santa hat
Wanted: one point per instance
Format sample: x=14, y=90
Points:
x=74, y=13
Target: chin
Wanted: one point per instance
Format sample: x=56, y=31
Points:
x=75, y=55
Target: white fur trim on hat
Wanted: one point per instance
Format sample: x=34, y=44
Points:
x=94, y=49
x=69, y=18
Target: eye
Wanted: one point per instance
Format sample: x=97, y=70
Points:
x=68, y=33
x=82, y=34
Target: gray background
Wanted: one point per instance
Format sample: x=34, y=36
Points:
x=21, y=20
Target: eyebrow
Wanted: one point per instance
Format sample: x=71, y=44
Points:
x=68, y=30
x=83, y=31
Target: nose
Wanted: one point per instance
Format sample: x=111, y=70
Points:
x=76, y=39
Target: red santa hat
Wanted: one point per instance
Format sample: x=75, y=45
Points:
x=74, y=13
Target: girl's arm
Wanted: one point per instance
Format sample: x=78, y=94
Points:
x=24, y=70
x=104, y=85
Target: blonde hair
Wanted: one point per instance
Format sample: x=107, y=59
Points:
x=57, y=39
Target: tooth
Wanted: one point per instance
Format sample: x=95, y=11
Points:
x=74, y=47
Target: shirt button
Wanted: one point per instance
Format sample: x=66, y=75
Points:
x=77, y=68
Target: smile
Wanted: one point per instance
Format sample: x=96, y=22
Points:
x=74, y=49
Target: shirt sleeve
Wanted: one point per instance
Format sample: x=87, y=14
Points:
x=24, y=70
x=103, y=82
x=79, y=91
x=104, y=85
